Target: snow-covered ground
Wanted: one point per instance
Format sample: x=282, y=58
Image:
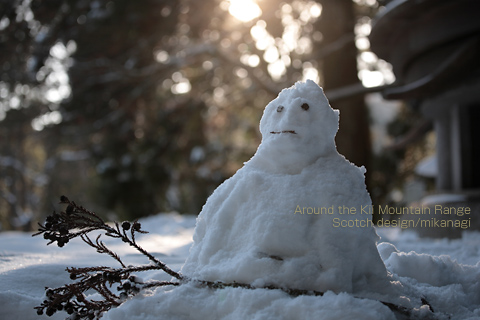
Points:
x=28, y=265
x=446, y=271
x=253, y=229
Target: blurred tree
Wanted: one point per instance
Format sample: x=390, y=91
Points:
x=20, y=175
x=339, y=69
x=146, y=106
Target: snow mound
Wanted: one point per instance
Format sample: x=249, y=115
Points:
x=287, y=217
x=190, y=303
x=27, y=266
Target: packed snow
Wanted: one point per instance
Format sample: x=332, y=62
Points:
x=445, y=271
x=256, y=227
x=294, y=216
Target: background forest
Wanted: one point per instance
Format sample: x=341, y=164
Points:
x=137, y=107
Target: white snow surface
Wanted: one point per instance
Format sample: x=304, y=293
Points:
x=255, y=229
x=446, y=272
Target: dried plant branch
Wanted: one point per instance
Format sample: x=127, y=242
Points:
x=101, y=248
x=76, y=221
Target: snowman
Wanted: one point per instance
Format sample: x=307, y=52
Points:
x=294, y=215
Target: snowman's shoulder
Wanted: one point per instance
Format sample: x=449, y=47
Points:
x=227, y=188
x=336, y=173
x=224, y=189
x=336, y=164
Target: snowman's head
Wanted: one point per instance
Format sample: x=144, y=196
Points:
x=298, y=126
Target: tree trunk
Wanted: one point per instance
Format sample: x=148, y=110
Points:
x=339, y=69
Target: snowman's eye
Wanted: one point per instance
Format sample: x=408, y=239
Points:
x=280, y=109
x=305, y=106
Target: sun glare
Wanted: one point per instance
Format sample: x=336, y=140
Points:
x=244, y=10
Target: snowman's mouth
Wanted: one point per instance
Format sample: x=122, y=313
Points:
x=284, y=131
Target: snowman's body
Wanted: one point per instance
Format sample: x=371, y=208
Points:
x=272, y=222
